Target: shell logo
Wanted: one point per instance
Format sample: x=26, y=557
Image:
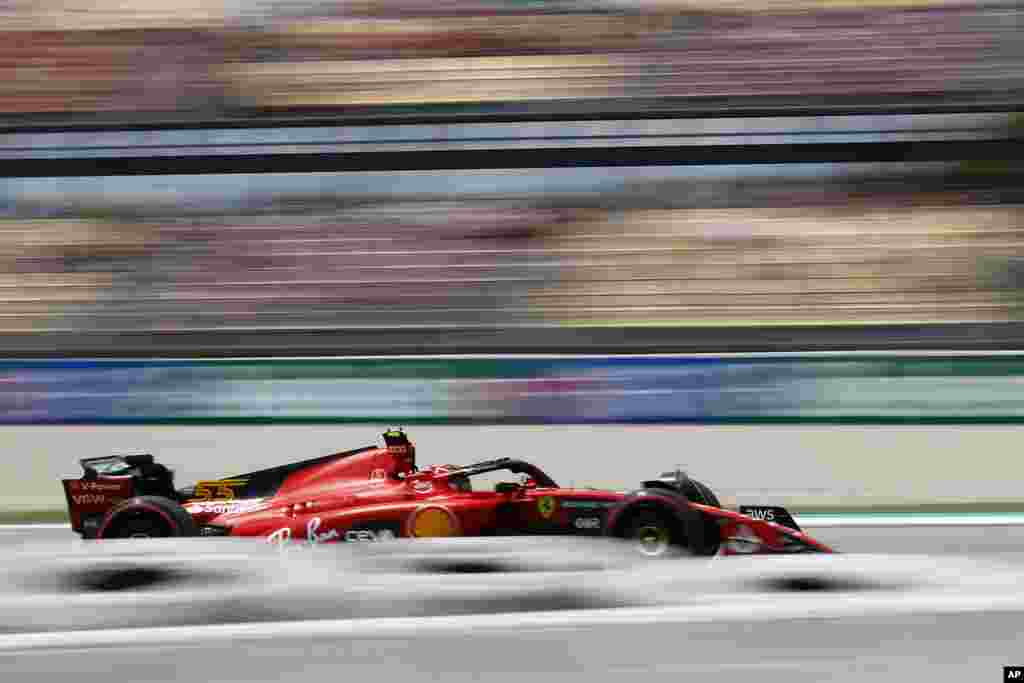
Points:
x=433, y=522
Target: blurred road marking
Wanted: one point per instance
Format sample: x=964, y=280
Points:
x=769, y=608
x=866, y=519
x=15, y=528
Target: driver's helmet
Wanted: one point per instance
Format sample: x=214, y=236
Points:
x=402, y=451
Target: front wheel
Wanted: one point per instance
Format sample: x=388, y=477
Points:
x=697, y=492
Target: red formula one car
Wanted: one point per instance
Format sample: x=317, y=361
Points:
x=377, y=493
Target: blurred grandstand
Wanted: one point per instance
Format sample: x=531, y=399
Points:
x=852, y=247
x=247, y=263
x=79, y=61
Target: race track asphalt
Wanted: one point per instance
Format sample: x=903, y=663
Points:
x=955, y=646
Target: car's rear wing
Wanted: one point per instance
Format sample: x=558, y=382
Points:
x=114, y=465
x=108, y=480
x=90, y=498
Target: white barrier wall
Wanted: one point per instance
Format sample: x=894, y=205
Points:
x=792, y=465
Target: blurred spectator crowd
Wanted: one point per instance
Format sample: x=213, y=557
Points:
x=211, y=59
x=887, y=246
x=874, y=247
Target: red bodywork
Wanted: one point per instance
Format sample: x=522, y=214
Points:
x=375, y=494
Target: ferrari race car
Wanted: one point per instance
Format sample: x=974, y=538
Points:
x=377, y=493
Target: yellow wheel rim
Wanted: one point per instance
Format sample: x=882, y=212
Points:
x=652, y=540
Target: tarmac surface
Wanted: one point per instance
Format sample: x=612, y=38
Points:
x=929, y=647
x=896, y=644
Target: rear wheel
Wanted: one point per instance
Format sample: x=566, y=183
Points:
x=148, y=517
x=142, y=527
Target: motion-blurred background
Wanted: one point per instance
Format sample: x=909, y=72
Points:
x=275, y=188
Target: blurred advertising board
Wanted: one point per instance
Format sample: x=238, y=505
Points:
x=624, y=389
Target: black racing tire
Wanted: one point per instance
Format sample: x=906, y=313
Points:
x=687, y=531
x=696, y=492
x=707, y=494
x=149, y=517
x=711, y=537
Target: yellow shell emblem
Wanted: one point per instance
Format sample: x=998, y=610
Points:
x=433, y=522
x=546, y=506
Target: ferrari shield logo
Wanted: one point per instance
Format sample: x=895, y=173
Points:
x=546, y=506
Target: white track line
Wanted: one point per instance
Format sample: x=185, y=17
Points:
x=14, y=528
x=769, y=608
x=910, y=520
